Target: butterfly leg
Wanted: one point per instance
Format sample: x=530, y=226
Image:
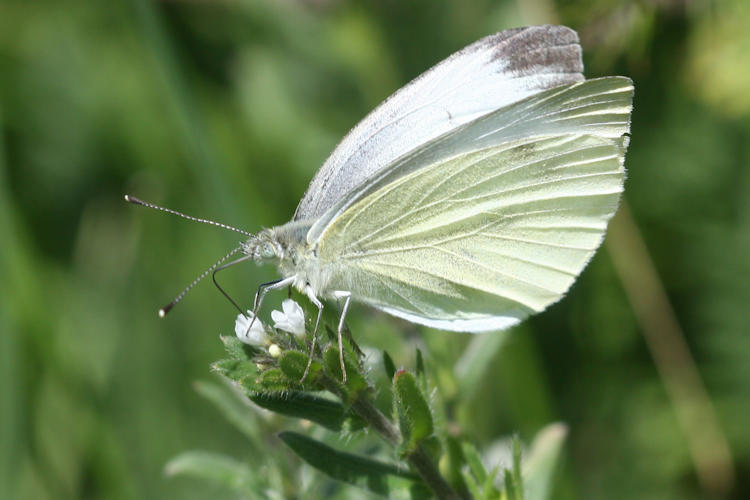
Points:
x=347, y=296
x=317, y=303
x=263, y=289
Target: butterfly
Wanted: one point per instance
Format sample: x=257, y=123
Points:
x=471, y=198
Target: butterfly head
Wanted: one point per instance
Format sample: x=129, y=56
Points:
x=263, y=247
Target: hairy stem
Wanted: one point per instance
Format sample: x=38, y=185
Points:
x=418, y=459
x=422, y=462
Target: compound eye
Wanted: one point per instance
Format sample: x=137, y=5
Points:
x=267, y=251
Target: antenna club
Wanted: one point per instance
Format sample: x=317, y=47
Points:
x=134, y=200
x=164, y=310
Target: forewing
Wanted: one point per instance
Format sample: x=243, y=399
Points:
x=489, y=74
x=599, y=107
x=478, y=241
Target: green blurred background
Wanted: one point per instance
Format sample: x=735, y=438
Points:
x=225, y=109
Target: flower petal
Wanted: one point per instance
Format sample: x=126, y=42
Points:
x=254, y=334
x=278, y=316
x=292, y=320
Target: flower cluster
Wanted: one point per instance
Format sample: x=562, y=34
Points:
x=252, y=331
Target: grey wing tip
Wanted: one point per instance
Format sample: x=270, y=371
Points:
x=548, y=49
x=562, y=34
x=555, y=33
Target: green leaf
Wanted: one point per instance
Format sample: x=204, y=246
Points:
x=420, y=363
x=217, y=468
x=272, y=380
x=330, y=414
x=511, y=491
x=415, y=417
x=452, y=464
x=541, y=460
x=432, y=445
x=485, y=488
x=389, y=365
x=490, y=491
x=235, y=369
x=513, y=480
x=358, y=470
x=236, y=349
x=355, y=381
x=294, y=363
x=517, y=465
x=471, y=484
x=232, y=405
x=475, y=463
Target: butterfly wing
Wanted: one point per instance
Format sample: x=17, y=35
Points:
x=491, y=222
x=491, y=73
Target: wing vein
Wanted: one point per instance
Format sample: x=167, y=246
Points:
x=461, y=284
x=393, y=290
x=473, y=262
x=496, y=176
x=359, y=253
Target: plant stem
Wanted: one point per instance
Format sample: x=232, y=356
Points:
x=421, y=461
x=418, y=459
x=377, y=420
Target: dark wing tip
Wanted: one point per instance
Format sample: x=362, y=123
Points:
x=537, y=49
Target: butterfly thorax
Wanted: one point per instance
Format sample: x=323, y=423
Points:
x=287, y=247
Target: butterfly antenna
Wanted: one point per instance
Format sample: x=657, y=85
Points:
x=136, y=201
x=164, y=310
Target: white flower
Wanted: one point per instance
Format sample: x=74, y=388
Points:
x=292, y=320
x=251, y=335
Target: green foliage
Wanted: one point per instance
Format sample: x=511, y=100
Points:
x=273, y=380
x=236, y=369
x=388, y=365
x=225, y=110
x=358, y=470
x=345, y=407
x=355, y=386
x=294, y=363
x=480, y=481
x=279, y=390
x=217, y=468
x=233, y=407
x=513, y=481
x=414, y=415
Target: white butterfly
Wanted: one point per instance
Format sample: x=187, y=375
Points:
x=472, y=197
